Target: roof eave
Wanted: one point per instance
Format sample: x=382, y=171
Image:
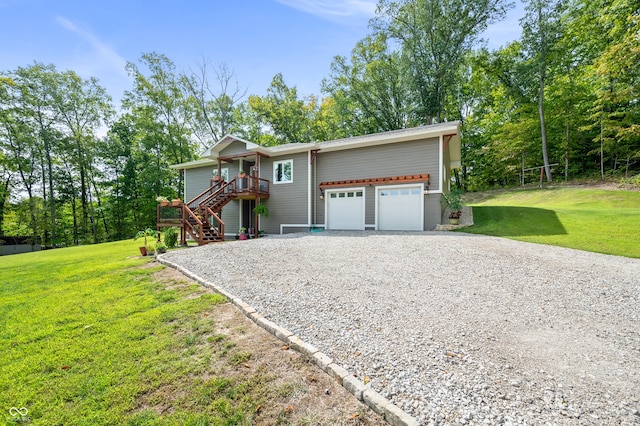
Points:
x=194, y=164
x=394, y=136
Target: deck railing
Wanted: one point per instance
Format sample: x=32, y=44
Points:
x=202, y=211
x=252, y=184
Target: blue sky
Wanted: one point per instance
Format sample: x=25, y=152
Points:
x=254, y=38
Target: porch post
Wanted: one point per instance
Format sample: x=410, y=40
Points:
x=183, y=235
x=255, y=222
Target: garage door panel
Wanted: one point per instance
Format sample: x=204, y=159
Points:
x=346, y=210
x=400, y=209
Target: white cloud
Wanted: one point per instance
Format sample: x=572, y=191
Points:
x=332, y=9
x=106, y=55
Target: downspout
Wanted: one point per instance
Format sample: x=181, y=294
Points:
x=315, y=190
x=184, y=183
x=309, y=183
x=440, y=163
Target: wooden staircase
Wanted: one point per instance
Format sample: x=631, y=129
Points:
x=201, y=217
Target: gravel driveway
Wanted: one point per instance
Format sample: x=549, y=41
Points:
x=453, y=328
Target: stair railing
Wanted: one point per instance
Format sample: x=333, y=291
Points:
x=187, y=214
x=197, y=200
x=227, y=188
x=211, y=214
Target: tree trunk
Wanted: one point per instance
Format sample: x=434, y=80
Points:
x=545, y=155
x=45, y=219
x=601, y=148
x=92, y=217
x=4, y=194
x=83, y=201
x=52, y=201
x=100, y=209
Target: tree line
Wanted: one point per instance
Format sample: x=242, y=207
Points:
x=563, y=97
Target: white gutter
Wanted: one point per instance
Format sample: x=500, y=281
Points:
x=309, y=187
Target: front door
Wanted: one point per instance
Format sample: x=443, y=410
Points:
x=247, y=216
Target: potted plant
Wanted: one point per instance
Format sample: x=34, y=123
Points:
x=454, y=201
x=164, y=201
x=242, y=174
x=161, y=247
x=176, y=202
x=260, y=233
x=243, y=233
x=454, y=217
x=261, y=210
x=144, y=234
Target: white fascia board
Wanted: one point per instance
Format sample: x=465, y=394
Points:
x=225, y=141
x=289, y=149
x=394, y=136
x=194, y=164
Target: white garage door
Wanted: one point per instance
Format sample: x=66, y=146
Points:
x=345, y=209
x=400, y=208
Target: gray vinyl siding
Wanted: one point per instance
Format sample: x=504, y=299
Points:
x=446, y=160
x=235, y=147
x=397, y=159
x=369, y=206
x=197, y=181
x=405, y=158
x=432, y=211
x=231, y=218
x=287, y=202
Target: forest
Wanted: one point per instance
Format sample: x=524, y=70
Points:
x=564, y=98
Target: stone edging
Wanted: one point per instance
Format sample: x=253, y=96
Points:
x=391, y=413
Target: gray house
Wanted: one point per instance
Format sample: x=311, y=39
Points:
x=386, y=181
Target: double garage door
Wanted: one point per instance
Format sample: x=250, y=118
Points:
x=398, y=208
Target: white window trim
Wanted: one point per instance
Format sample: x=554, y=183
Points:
x=223, y=172
x=275, y=168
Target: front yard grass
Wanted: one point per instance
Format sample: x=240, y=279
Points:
x=92, y=336
x=597, y=220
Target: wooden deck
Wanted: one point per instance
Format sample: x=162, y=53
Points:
x=200, y=217
x=168, y=216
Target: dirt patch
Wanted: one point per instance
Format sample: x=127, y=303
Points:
x=305, y=394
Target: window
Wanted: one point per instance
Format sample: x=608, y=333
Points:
x=225, y=174
x=283, y=171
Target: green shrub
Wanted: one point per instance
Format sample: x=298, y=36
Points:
x=171, y=237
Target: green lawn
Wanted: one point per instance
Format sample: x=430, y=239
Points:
x=603, y=221
x=88, y=336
